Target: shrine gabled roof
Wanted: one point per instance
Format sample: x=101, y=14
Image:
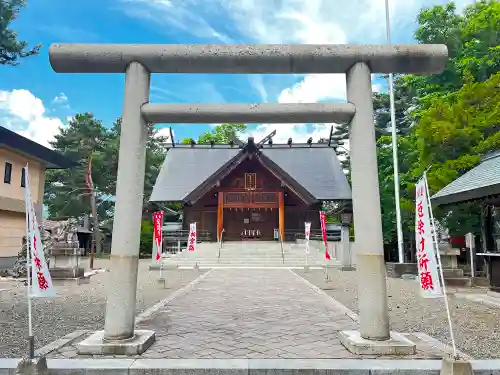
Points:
x=315, y=168
x=479, y=182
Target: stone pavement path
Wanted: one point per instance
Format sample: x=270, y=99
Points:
x=249, y=313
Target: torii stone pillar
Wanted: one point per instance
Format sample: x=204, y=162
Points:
x=119, y=321
x=138, y=61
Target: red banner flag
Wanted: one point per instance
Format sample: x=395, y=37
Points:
x=157, y=235
x=322, y=219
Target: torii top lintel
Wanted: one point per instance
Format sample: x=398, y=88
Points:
x=248, y=58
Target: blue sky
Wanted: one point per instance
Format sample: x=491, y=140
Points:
x=35, y=101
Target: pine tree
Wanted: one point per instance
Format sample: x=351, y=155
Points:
x=11, y=49
x=339, y=136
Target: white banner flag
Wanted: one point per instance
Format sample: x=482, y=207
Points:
x=307, y=228
x=192, y=237
x=41, y=282
x=428, y=273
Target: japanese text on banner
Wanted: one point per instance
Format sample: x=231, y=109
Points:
x=428, y=273
x=41, y=281
x=192, y=237
x=322, y=219
x=307, y=230
x=157, y=235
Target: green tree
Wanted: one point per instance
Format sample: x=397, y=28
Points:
x=445, y=121
x=156, y=147
x=11, y=48
x=222, y=134
x=454, y=131
x=146, y=242
x=66, y=193
x=406, y=147
x=473, y=40
x=339, y=136
x=404, y=101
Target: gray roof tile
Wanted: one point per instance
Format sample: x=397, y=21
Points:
x=481, y=181
x=317, y=169
x=184, y=169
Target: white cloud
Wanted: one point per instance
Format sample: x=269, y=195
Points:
x=165, y=132
x=293, y=21
x=290, y=21
x=186, y=15
x=314, y=88
x=60, y=99
x=257, y=82
x=24, y=113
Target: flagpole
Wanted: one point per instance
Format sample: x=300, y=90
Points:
x=31, y=339
x=394, y=146
x=434, y=239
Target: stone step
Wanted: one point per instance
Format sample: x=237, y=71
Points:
x=256, y=265
x=451, y=273
x=458, y=281
x=235, y=262
x=263, y=265
x=246, y=254
x=240, y=257
x=260, y=256
x=295, y=259
x=302, y=260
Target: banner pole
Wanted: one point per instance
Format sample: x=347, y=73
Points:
x=161, y=246
x=438, y=255
x=31, y=339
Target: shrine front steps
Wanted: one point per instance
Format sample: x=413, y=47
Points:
x=241, y=255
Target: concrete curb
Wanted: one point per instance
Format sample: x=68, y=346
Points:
x=248, y=366
x=329, y=299
x=59, y=343
x=438, y=344
x=96, y=271
x=484, y=298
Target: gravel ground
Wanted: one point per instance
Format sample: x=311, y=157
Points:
x=476, y=326
x=76, y=307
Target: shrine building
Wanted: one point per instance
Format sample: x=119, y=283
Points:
x=251, y=190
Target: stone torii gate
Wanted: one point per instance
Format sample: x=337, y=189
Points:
x=139, y=61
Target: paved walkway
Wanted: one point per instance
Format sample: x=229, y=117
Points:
x=249, y=313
